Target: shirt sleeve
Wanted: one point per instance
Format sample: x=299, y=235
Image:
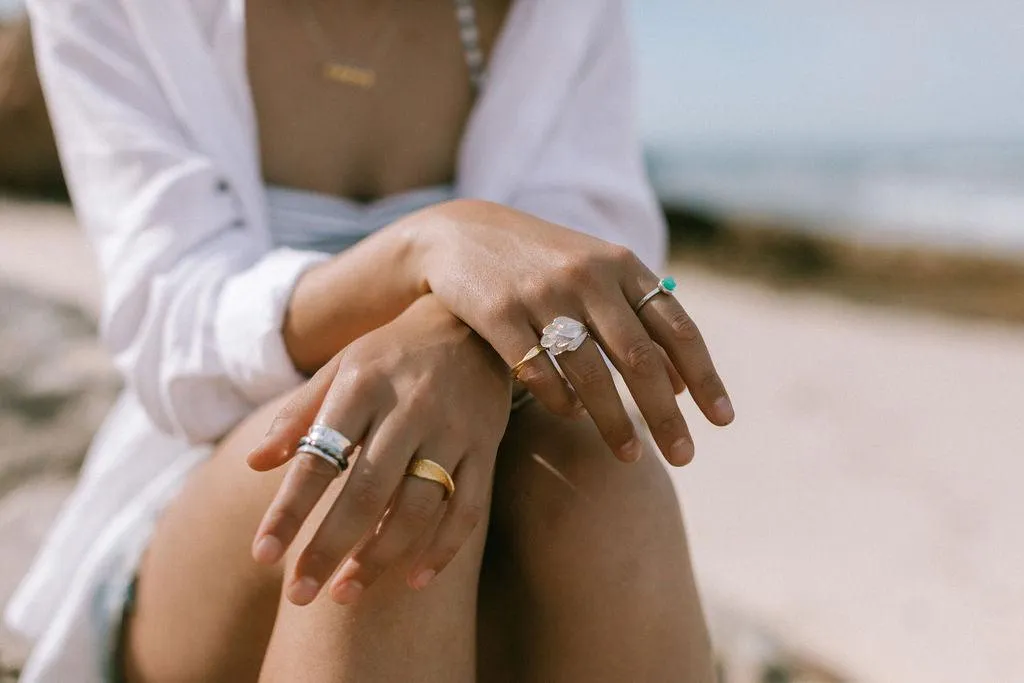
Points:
x=589, y=173
x=194, y=296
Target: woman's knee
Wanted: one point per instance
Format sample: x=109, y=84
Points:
x=558, y=485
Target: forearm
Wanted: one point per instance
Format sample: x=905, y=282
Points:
x=355, y=292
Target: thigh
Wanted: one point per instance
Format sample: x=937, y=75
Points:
x=204, y=610
x=392, y=633
x=592, y=560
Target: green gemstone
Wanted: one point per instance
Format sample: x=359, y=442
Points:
x=668, y=284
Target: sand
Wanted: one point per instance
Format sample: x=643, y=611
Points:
x=864, y=507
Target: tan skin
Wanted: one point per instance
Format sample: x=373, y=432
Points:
x=555, y=560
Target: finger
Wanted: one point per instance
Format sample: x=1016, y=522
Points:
x=465, y=510
x=678, y=385
x=278, y=446
x=309, y=476
x=637, y=358
x=372, y=482
x=540, y=375
x=303, y=485
x=673, y=328
x=410, y=516
x=586, y=370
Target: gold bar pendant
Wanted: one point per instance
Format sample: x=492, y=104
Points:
x=350, y=75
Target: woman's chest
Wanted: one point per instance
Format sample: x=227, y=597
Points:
x=358, y=98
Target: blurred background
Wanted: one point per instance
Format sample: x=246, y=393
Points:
x=845, y=186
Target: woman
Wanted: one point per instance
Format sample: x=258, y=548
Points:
x=278, y=189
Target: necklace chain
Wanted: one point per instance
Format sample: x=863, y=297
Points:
x=365, y=77
x=340, y=71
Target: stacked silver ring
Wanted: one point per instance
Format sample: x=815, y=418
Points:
x=328, y=444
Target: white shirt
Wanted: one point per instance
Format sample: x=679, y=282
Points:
x=154, y=120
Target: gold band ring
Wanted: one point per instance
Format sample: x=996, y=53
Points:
x=431, y=471
x=530, y=355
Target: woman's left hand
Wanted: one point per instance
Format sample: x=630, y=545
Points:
x=423, y=386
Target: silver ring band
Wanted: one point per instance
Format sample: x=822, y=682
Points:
x=312, y=449
x=328, y=444
x=665, y=286
x=331, y=438
x=563, y=334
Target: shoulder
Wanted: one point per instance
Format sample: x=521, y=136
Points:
x=122, y=15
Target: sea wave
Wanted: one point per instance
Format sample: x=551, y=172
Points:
x=969, y=196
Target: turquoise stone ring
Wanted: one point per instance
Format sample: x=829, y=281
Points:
x=665, y=286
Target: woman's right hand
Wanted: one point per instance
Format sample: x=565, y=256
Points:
x=508, y=274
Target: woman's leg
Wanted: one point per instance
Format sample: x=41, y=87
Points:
x=206, y=612
x=587, y=576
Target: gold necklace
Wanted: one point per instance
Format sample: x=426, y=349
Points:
x=339, y=71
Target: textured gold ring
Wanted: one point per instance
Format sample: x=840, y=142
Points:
x=530, y=355
x=431, y=471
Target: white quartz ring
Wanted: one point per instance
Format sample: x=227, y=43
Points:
x=563, y=334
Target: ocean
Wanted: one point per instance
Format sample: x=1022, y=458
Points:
x=962, y=196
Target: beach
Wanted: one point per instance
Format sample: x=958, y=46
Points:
x=862, y=513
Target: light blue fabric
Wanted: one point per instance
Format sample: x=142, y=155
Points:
x=308, y=220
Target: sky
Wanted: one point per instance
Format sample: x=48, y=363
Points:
x=725, y=73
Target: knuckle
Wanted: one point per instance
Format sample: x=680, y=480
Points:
x=620, y=255
x=533, y=373
x=366, y=494
x=469, y=515
x=318, y=559
x=684, y=328
x=443, y=555
x=710, y=382
x=417, y=511
x=668, y=424
x=283, y=522
x=618, y=432
x=359, y=378
x=370, y=562
x=561, y=405
x=581, y=269
x=539, y=291
x=589, y=374
x=503, y=309
x=642, y=357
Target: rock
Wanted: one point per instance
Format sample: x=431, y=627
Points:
x=29, y=160
x=56, y=384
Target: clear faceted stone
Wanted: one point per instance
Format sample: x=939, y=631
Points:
x=563, y=334
x=577, y=342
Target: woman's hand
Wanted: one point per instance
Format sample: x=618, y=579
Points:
x=425, y=386
x=508, y=274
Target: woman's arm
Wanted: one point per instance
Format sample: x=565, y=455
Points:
x=404, y=390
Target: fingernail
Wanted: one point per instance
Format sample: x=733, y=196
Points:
x=631, y=450
x=303, y=591
x=347, y=592
x=423, y=578
x=724, y=410
x=681, y=451
x=268, y=550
